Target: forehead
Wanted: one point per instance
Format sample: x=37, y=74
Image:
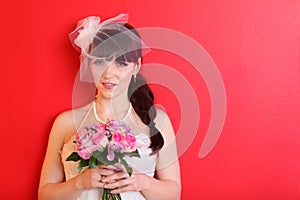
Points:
x=107, y=61
x=120, y=45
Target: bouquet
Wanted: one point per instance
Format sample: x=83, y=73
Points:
x=104, y=144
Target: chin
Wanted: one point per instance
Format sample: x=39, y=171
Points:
x=107, y=95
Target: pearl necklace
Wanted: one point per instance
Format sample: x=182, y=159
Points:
x=104, y=122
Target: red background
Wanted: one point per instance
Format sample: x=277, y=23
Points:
x=254, y=43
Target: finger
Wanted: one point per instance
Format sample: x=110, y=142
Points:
x=123, y=189
x=110, y=167
x=115, y=177
x=97, y=175
x=96, y=181
x=119, y=167
x=116, y=167
x=120, y=183
x=106, y=167
x=99, y=184
x=101, y=177
x=105, y=172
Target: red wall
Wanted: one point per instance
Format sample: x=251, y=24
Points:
x=254, y=43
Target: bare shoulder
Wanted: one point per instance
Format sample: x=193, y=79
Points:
x=162, y=118
x=164, y=124
x=64, y=118
x=66, y=123
x=168, y=154
x=69, y=117
x=160, y=112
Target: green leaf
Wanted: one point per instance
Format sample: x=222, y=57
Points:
x=109, y=196
x=92, y=162
x=133, y=154
x=128, y=169
x=74, y=157
x=82, y=163
x=101, y=156
x=118, y=197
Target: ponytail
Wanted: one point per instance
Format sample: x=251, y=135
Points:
x=142, y=100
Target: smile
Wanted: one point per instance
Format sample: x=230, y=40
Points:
x=108, y=85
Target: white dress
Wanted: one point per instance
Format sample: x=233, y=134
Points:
x=146, y=164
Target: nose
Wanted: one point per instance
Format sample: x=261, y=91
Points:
x=110, y=69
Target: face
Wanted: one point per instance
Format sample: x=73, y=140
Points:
x=112, y=78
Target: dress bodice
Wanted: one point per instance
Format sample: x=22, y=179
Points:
x=145, y=164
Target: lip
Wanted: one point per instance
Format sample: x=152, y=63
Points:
x=108, y=85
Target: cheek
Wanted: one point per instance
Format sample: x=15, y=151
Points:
x=128, y=72
x=97, y=73
x=126, y=76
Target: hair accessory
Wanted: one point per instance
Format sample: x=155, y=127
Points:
x=151, y=124
x=87, y=29
x=86, y=33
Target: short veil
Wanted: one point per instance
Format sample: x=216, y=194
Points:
x=85, y=38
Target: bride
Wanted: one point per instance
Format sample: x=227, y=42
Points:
x=111, y=53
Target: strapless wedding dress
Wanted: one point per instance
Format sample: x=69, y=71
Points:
x=146, y=164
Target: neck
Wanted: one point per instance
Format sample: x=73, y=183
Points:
x=108, y=109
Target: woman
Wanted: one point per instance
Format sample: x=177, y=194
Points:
x=111, y=54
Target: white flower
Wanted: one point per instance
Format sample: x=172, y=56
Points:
x=87, y=29
x=91, y=26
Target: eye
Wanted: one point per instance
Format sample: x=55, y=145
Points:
x=121, y=63
x=98, y=62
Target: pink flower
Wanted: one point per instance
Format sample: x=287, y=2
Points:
x=83, y=139
x=88, y=140
x=99, y=135
x=87, y=152
x=113, y=140
x=101, y=127
x=110, y=153
x=117, y=137
x=130, y=142
x=97, y=138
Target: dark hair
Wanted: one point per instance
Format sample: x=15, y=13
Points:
x=127, y=48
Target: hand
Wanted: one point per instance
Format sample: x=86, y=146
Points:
x=93, y=178
x=121, y=180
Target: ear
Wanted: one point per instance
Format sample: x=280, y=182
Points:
x=138, y=66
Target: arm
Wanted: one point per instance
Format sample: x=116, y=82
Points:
x=52, y=180
x=166, y=185
x=52, y=175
